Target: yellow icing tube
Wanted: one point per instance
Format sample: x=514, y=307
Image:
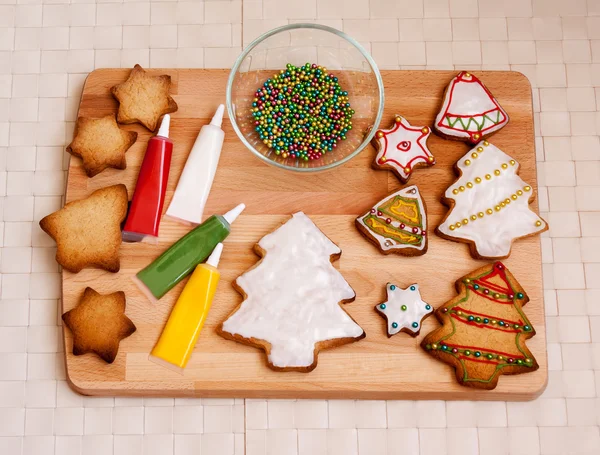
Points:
x=183, y=327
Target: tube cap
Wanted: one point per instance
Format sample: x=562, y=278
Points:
x=214, y=257
x=234, y=213
x=164, y=126
x=217, y=119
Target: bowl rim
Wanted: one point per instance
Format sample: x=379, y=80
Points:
x=370, y=133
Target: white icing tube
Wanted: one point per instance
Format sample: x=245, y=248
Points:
x=197, y=177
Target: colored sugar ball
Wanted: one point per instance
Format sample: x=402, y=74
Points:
x=302, y=112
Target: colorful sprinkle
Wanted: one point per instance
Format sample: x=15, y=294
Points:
x=302, y=112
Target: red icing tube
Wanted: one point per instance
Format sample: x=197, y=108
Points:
x=147, y=203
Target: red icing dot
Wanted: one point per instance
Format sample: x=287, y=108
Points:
x=499, y=266
x=388, y=220
x=511, y=360
x=454, y=350
x=402, y=225
x=423, y=233
x=444, y=310
x=486, y=291
x=378, y=213
x=511, y=296
x=415, y=230
x=372, y=210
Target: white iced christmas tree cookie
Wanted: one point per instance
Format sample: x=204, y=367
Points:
x=404, y=309
x=292, y=298
x=489, y=204
x=402, y=148
x=469, y=111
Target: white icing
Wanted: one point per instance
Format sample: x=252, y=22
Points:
x=468, y=100
x=293, y=295
x=386, y=243
x=492, y=234
x=415, y=310
x=403, y=146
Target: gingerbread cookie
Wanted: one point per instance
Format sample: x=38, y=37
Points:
x=88, y=231
x=397, y=224
x=489, y=204
x=100, y=143
x=292, y=298
x=402, y=148
x=404, y=310
x=144, y=98
x=484, y=329
x=469, y=111
x=98, y=324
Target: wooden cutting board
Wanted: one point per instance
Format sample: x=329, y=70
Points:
x=377, y=367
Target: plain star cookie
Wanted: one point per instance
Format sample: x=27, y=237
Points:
x=292, y=298
x=489, y=204
x=402, y=148
x=484, y=328
x=469, y=111
x=88, y=232
x=397, y=223
x=144, y=98
x=100, y=143
x=98, y=324
x=404, y=310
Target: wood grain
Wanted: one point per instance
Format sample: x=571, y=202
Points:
x=376, y=367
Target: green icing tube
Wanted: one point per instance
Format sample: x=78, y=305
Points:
x=180, y=259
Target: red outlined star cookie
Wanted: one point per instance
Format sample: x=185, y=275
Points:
x=402, y=148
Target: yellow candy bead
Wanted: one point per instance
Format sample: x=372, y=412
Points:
x=383, y=159
x=486, y=143
x=519, y=193
x=451, y=227
x=497, y=208
x=512, y=162
x=489, y=211
x=458, y=224
x=480, y=214
x=468, y=280
x=538, y=223
x=467, y=162
x=430, y=159
x=497, y=172
x=488, y=176
x=507, y=201
x=527, y=188
x=454, y=191
x=379, y=133
x=473, y=217
x=425, y=130
x=407, y=170
x=469, y=185
x=474, y=155
x=434, y=346
x=504, y=166
x=514, y=197
x=398, y=119
x=459, y=313
x=476, y=136
x=465, y=221
x=477, y=179
x=480, y=149
x=461, y=188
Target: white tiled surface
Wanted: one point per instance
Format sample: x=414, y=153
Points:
x=46, y=49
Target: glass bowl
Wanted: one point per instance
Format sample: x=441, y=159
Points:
x=299, y=44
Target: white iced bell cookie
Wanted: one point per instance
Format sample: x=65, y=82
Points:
x=469, y=111
x=293, y=297
x=404, y=309
x=402, y=147
x=489, y=204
